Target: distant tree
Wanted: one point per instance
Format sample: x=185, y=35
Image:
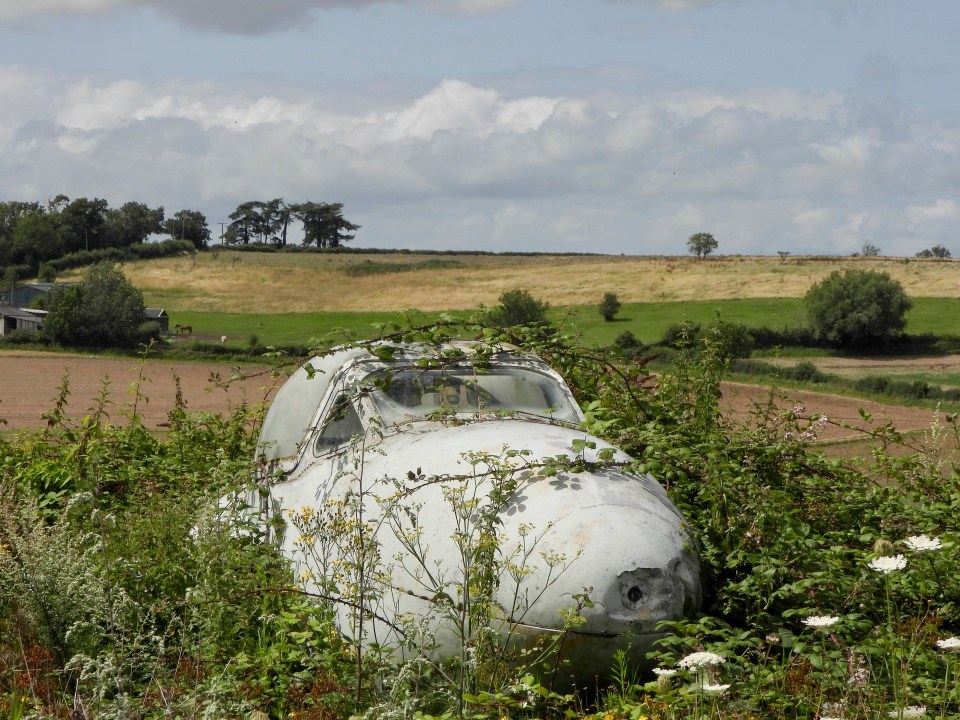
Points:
x=324, y=224
x=702, y=244
x=246, y=224
x=869, y=249
x=10, y=214
x=857, y=308
x=46, y=273
x=104, y=310
x=188, y=225
x=80, y=223
x=784, y=254
x=8, y=282
x=519, y=307
x=131, y=224
x=937, y=251
x=609, y=306
x=36, y=239
x=276, y=217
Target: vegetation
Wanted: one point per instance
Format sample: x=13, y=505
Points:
x=857, y=308
x=103, y=311
x=609, y=306
x=31, y=233
x=937, y=251
x=188, y=225
x=833, y=590
x=519, y=307
x=702, y=244
x=263, y=222
x=869, y=249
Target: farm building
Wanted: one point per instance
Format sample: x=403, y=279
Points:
x=24, y=295
x=159, y=315
x=16, y=314
x=12, y=319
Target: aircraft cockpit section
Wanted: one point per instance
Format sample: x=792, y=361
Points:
x=503, y=391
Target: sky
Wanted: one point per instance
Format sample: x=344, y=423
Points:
x=608, y=126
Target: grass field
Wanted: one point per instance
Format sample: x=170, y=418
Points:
x=647, y=321
x=261, y=283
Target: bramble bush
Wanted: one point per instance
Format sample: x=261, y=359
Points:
x=126, y=588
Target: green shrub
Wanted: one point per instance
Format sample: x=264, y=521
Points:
x=519, y=307
x=609, y=306
x=857, y=308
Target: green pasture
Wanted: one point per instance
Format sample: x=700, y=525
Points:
x=647, y=321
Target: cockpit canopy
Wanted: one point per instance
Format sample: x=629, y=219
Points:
x=323, y=402
x=502, y=389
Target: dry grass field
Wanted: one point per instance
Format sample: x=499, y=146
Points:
x=227, y=281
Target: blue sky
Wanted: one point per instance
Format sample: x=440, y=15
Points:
x=613, y=126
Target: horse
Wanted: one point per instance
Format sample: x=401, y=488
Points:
x=183, y=329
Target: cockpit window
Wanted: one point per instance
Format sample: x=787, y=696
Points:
x=341, y=424
x=409, y=393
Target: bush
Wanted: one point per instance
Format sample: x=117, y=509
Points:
x=609, y=306
x=857, y=308
x=104, y=310
x=519, y=307
x=46, y=273
x=731, y=340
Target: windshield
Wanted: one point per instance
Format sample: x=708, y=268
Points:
x=411, y=393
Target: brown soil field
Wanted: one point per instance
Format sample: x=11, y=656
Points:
x=859, y=367
x=29, y=383
x=843, y=413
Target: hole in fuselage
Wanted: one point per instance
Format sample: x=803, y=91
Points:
x=634, y=594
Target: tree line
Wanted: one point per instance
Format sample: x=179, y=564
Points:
x=33, y=233
x=259, y=221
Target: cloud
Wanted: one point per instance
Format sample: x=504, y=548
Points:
x=464, y=165
x=229, y=16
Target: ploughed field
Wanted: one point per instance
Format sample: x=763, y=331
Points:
x=31, y=381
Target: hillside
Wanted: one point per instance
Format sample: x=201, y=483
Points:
x=229, y=281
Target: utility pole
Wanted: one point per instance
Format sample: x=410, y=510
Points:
x=222, y=225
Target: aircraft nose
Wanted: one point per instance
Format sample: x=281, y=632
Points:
x=635, y=562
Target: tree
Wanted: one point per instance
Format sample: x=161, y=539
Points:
x=131, y=224
x=36, y=238
x=519, y=307
x=869, y=249
x=937, y=251
x=245, y=222
x=609, y=306
x=857, y=308
x=104, y=310
x=188, y=225
x=81, y=223
x=701, y=244
x=324, y=224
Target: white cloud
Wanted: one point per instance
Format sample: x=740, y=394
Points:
x=464, y=165
x=941, y=211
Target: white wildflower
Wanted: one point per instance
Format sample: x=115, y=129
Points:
x=922, y=543
x=887, y=565
x=950, y=643
x=699, y=660
x=714, y=689
x=910, y=711
x=820, y=621
x=664, y=672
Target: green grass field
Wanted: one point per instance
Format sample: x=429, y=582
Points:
x=647, y=321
